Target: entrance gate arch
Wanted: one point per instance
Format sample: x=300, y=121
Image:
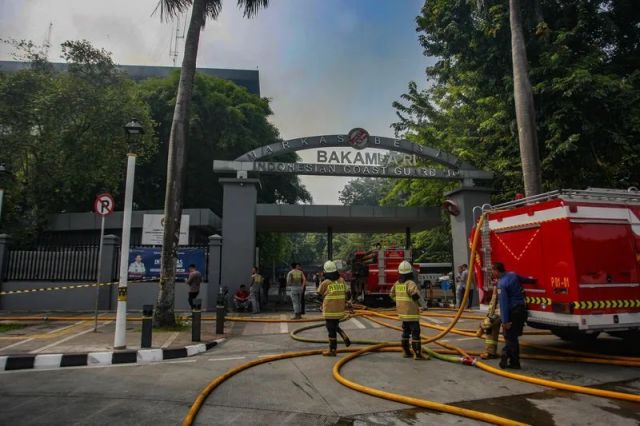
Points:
x=406, y=159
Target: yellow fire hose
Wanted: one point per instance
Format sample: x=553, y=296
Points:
x=550, y=383
x=432, y=405
x=213, y=384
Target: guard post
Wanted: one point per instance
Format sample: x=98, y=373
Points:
x=147, y=325
x=196, y=316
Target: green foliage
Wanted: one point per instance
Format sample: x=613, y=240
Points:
x=11, y=327
x=225, y=122
x=62, y=136
x=274, y=248
x=365, y=191
x=584, y=60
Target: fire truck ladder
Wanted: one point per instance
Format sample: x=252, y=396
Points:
x=630, y=195
x=485, y=238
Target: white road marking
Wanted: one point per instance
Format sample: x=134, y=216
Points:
x=227, y=359
x=55, y=330
x=357, y=323
x=17, y=343
x=172, y=337
x=284, y=326
x=73, y=336
x=466, y=338
x=373, y=324
x=435, y=320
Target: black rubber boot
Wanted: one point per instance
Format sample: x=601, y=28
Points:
x=333, y=345
x=417, y=350
x=406, y=348
x=504, y=360
x=345, y=338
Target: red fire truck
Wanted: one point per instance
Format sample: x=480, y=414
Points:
x=583, y=248
x=375, y=272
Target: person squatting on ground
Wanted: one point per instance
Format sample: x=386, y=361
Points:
x=295, y=281
x=254, y=290
x=241, y=299
x=194, y=280
x=407, y=296
x=513, y=312
x=334, y=292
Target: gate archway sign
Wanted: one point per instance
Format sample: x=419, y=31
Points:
x=403, y=159
x=354, y=162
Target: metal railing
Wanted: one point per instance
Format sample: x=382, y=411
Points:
x=74, y=263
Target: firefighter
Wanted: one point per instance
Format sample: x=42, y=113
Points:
x=334, y=292
x=513, y=312
x=490, y=327
x=407, y=297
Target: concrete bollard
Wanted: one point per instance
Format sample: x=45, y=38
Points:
x=147, y=326
x=196, y=315
x=220, y=311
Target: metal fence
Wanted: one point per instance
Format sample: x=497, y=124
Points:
x=76, y=263
x=66, y=263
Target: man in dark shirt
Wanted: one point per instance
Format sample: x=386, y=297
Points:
x=513, y=312
x=194, y=280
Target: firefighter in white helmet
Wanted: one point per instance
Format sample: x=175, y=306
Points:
x=335, y=295
x=407, y=297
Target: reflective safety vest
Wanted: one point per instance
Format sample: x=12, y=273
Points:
x=296, y=277
x=334, y=292
x=407, y=308
x=257, y=281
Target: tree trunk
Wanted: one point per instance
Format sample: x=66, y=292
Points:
x=164, y=313
x=525, y=112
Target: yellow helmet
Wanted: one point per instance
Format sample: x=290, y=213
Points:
x=405, y=268
x=330, y=266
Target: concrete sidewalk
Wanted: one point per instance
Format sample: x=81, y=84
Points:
x=39, y=342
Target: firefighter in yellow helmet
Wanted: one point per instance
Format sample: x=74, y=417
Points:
x=407, y=297
x=335, y=294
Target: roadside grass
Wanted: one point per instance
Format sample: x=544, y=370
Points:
x=11, y=326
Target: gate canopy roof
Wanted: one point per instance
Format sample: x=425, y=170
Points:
x=344, y=219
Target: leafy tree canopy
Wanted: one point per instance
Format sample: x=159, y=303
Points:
x=225, y=122
x=62, y=135
x=584, y=61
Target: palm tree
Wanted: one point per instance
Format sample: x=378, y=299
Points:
x=525, y=112
x=201, y=10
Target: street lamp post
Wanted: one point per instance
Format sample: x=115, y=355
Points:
x=134, y=131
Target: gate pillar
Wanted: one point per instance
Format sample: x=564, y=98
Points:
x=465, y=199
x=238, y=230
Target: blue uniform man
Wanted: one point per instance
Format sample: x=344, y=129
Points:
x=513, y=312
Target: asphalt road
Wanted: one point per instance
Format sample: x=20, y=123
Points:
x=303, y=391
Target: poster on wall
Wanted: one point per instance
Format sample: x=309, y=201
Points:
x=153, y=230
x=144, y=262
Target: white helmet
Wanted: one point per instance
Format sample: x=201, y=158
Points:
x=405, y=267
x=330, y=266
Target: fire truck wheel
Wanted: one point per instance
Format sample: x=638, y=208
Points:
x=576, y=336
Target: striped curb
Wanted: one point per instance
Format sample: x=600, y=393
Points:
x=49, y=361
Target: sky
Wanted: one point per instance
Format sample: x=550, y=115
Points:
x=327, y=65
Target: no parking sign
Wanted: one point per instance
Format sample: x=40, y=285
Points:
x=104, y=204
